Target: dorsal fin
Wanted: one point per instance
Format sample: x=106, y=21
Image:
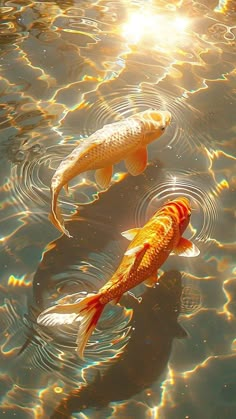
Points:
x=130, y=234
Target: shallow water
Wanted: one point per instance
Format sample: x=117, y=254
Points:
x=68, y=68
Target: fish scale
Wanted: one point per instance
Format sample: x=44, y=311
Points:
x=161, y=241
x=149, y=248
x=112, y=142
x=124, y=140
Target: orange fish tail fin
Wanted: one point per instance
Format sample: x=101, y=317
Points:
x=55, y=217
x=86, y=311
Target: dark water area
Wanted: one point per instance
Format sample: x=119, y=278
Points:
x=67, y=69
x=154, y=325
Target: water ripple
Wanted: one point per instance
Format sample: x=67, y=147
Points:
x=198, y=188
x=87, y=275
x=68, y=68
x=53, y=351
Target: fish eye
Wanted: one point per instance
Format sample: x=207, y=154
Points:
x=162, y=128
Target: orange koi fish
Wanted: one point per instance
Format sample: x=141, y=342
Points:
x=149, y=248
x=124, y=140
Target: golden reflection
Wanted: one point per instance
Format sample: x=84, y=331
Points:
x=160, y=28
x=225, y=6
x=198, y=278
x=102, y=81
x=38, y=412
x=58, y=389
x=216, y=154
x=153, y=412
x=21, y=281
x=229, y=296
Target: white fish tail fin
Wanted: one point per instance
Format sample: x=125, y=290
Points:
x=87, y=311
x=55, y=217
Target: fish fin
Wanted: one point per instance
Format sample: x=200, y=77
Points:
x=87, y=311
x=136, y=162
x=66, y=187
x=103, y=176
x=56, y=220
x=137, y=250
x=130, y=234
x=186, y=248
x=151, y=280
x=55, y=217
x=138, y=253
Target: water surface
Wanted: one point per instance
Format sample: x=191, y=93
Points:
x=68, y=68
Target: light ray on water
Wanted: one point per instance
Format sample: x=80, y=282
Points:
x=168, y=31
x=67, y=70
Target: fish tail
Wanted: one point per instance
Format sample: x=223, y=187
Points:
x=55, y=217
x=87, y=311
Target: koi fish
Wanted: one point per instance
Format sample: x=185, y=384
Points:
x=124, y=140
x=154, y=326
x=149, y=248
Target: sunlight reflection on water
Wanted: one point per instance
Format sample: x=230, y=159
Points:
x=68, y=68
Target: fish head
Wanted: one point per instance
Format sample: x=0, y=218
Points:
x=155, y=123
x=180, y=209
x=183, y=208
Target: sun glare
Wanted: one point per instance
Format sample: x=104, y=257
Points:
x=157, y=28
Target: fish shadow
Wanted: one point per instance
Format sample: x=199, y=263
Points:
x=154, y=326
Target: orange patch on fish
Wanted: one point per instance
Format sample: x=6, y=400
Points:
x=149, y=248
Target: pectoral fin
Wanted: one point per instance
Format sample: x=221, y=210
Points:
x=186, y=248
x=130, y=234
x=136, y=162
x=151, y=281
x=137, y=253
x=103, y=176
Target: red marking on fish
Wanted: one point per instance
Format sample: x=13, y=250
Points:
x=148, y=250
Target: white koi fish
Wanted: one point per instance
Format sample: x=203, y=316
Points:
x=124, y=140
